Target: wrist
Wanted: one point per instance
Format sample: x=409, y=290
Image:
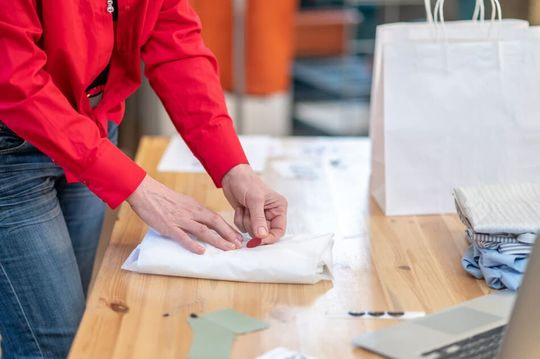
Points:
x=138, y=193
x=238, y=171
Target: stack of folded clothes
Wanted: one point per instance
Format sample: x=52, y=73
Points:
x=502, y=223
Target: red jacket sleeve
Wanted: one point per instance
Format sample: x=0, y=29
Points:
x=184, y=74
x=34, y=108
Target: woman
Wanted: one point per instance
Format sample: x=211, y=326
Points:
x=66, y=68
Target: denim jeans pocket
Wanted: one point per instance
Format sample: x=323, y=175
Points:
x=9, y=141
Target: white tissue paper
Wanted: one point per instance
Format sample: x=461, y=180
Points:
x=293, y=259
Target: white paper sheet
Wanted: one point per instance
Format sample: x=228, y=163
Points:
x=178, y=157
x=258, y=149
x=319, y=147
x=284, y=353
x=325, y=182
x=294, y=259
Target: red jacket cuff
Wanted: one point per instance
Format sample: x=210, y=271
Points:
x=218, y=148
x=113, y=176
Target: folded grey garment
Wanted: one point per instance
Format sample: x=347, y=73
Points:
x=502, y=244
x=516, y=249
x=497, y=214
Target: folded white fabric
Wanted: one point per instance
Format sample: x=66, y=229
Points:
x=502, y=222
x=512, y=209
x=294, y=259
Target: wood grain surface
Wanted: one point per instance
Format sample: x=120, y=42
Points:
x=393, y=263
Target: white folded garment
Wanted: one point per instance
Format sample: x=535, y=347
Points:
x=500, y=209
x=294, y=259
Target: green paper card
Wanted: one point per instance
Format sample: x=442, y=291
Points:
x=210, y=341
x=235, y=321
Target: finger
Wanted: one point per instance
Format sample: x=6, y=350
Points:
x=277, y=227
x=257, y=217
x=239, y=219
x=185, y=241
x=214, y=221
x=278, y=220
x=205, y=234
x=246, y=221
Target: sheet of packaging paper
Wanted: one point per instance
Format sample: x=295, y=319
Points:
x=293, y=259
x=178, y=157
x=325, y=182
x=259, y=148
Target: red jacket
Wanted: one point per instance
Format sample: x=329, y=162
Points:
x=52, y=50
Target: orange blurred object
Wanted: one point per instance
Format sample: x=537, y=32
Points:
x=269, y=41
x=324, y=32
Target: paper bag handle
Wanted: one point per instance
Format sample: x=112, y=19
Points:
x=479, y=11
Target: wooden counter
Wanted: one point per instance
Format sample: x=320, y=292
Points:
x=399, y=263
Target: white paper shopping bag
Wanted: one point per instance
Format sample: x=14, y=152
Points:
x=451, y=110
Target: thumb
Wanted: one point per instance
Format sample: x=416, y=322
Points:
x=259, y=226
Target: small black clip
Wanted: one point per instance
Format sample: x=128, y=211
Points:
x=376, y=314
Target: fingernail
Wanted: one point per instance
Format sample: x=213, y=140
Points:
x=238, y=244
x=231, y=245
x=261, y=232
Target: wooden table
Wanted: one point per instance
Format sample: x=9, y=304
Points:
x=399, y=263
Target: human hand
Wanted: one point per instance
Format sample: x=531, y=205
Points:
x=258, y=210
x=175, y=215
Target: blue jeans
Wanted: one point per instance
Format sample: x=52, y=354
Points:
x=49, y=231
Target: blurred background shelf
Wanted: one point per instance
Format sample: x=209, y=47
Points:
x=306, y=66
x=348, y=77
x=331, y=95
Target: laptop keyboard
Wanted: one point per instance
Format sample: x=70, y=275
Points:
x=481, y=346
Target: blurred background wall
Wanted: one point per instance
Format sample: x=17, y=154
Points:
x=306, y=64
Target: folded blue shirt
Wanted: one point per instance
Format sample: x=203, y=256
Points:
x=500, y=270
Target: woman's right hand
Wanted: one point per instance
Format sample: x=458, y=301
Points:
x=175, y=216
